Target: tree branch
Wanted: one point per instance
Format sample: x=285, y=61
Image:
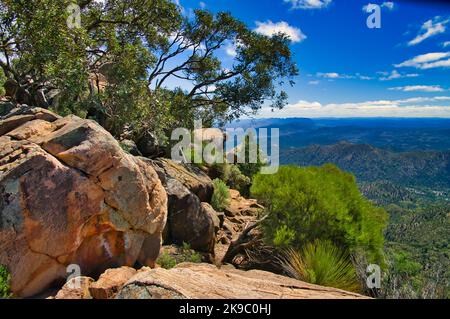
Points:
x=243, y=242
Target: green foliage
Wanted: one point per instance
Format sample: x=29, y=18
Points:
x=393, y=195
x=237, y=180
x=166, y=261
x=5, y=288
x=136, y=47
x=251, y=169
x=418, y=252
x=232, y=176
x=283, y=236
x=182, y=254
x=191, y=255
x=319, y=203
x=2, y=82
x=239, y=176
x=370, y=164
x=403, y=264
x=321, y=263
x=221, y=197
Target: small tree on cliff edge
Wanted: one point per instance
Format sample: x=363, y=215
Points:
x=140, y=46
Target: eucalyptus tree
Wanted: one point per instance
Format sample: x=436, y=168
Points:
x=142, y=64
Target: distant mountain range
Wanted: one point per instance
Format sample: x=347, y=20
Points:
x=402, y=165
x=394, y=134
x=370, y=164
x=409, y=152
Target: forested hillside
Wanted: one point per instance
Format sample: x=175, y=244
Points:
x=369, y=164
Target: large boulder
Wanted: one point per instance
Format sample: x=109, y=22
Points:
x=188, y=221
x=70, y=195
x=205, y=281
x=216, y=217
x=190, y=218
x=192, y=177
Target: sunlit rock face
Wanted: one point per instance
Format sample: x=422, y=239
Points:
x=70, y=195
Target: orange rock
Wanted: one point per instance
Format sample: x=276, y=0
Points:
x=70, y=195
x=205, y=281
x=76, y=288
x=109, y=283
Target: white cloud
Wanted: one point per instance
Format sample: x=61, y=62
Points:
x=269, y=28
x=307, y=105
x=386, y=76
x=427, y=61
x=230, y=50
x=335, y=75
x=330, y=75
x=314, y=82
x=364, y=77
x=428, y=29
x=446, y=44
x=438, y=106
x=202, y=5
x=388, y=4
x=436, y=64
x=369, y=7
x=308, y=4
x=418, y=88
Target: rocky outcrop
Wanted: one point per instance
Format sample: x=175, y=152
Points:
x=198, y=281
x=190, y=219
x=192, y=177
x=70, y=195
x=239, y=214
x=76, y=288
x=107, y=286
x=240, y=206
x=205, y=281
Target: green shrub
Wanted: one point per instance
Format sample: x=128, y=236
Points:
x=166, y=261
x=321, y=263
x=221, y=197
x=190, y=255
x=319, y=203
x=251, y=169
x=182, y=254
x=2, y=82
x=5, y=278
x=238, y=181
x=283, y=236
x=195, y=257
x=232, y=176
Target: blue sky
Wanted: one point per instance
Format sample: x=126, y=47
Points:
x=347, y=69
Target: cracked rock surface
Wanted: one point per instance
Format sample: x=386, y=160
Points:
x=193, y=281
x=70, y=195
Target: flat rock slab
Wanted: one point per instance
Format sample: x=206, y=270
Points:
x=205, y=281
